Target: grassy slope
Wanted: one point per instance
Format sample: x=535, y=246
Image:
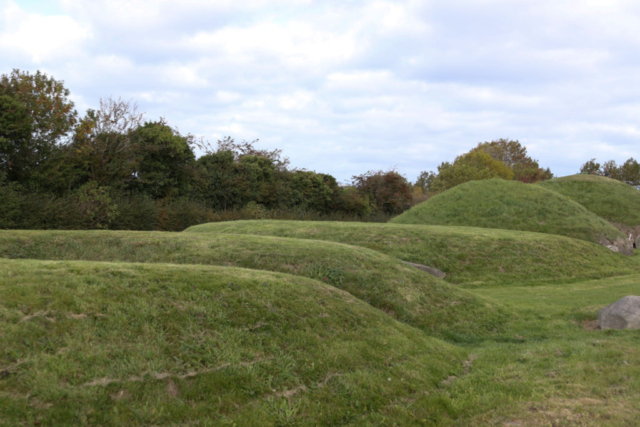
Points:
x=557, y=369
x=510, y=205
x=404, y=292
x=470, y=256
x=129, y=344
x=608, y=198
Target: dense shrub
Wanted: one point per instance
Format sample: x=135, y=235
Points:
x=387, y=192
x=10, y=201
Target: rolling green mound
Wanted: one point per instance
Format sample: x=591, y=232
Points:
x=470, y=256
x=107, y=344
x=608, y=198
x=409, y=295
x=510, y=205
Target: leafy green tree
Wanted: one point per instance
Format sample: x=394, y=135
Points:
x=387, y=192
x=351, y=202
x=425, y=180
x=219, y=181
x=514, y=155
x=165, y=160
x=244, y=149
x=36, y=115
x=473, y=166
x=610, y=169
x=314, y=191
x=591, y=167
x=238, y=173
x=103, y=149
x=628, y=172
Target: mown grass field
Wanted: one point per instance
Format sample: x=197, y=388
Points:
x=608, y=198
x=288, y=323
x=511, y=205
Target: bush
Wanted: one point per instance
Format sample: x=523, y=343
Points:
x=136, y=212
x=387, y=192
x=95, y=206
x=10, y=201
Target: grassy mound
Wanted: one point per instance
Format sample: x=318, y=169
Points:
x=407, y=294
x=510, y=205
x=132, y=344
x=608, y=198
x=470, y=256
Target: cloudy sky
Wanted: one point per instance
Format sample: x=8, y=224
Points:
x=347, y=86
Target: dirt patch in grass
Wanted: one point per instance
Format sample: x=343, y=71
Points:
x=590, y=325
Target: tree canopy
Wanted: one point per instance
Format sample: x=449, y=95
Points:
x=501, y=158
x=628, y=172
x=36, y=115
x=514, y=155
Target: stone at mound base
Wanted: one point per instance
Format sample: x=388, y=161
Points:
x=433, y=271
x=622, y=314
x=622, y=246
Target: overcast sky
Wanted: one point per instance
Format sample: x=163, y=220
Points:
x=343, y=87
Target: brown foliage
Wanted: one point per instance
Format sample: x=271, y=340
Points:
x=387, y=192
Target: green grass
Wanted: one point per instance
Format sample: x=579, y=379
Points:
x=87, y=343
x=556, y=368
x=608, y=198
x=137, y=344
x=511, y=205
x=101, y=343
x=469, y=256
x=409, y=295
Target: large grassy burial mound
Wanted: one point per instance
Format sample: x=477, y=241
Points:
x=511, y=205
x=470, y=256
x=608, y=198
x=106, y=344
x=407, y=294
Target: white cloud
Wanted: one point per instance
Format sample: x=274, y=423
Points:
x=297, y=44
x=343, y=87
x=42, y=38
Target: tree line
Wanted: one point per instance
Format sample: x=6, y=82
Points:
x=628, y=172
x=113, y=168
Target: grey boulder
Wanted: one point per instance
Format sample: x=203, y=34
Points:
x=622, y=246
x=622, y=314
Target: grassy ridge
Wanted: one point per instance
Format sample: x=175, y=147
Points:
x=608, y=198
x=470, y=256
x=510, y=205
x=407, y=294
x=130, y=344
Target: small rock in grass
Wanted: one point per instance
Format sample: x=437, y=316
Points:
x=622, y=314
